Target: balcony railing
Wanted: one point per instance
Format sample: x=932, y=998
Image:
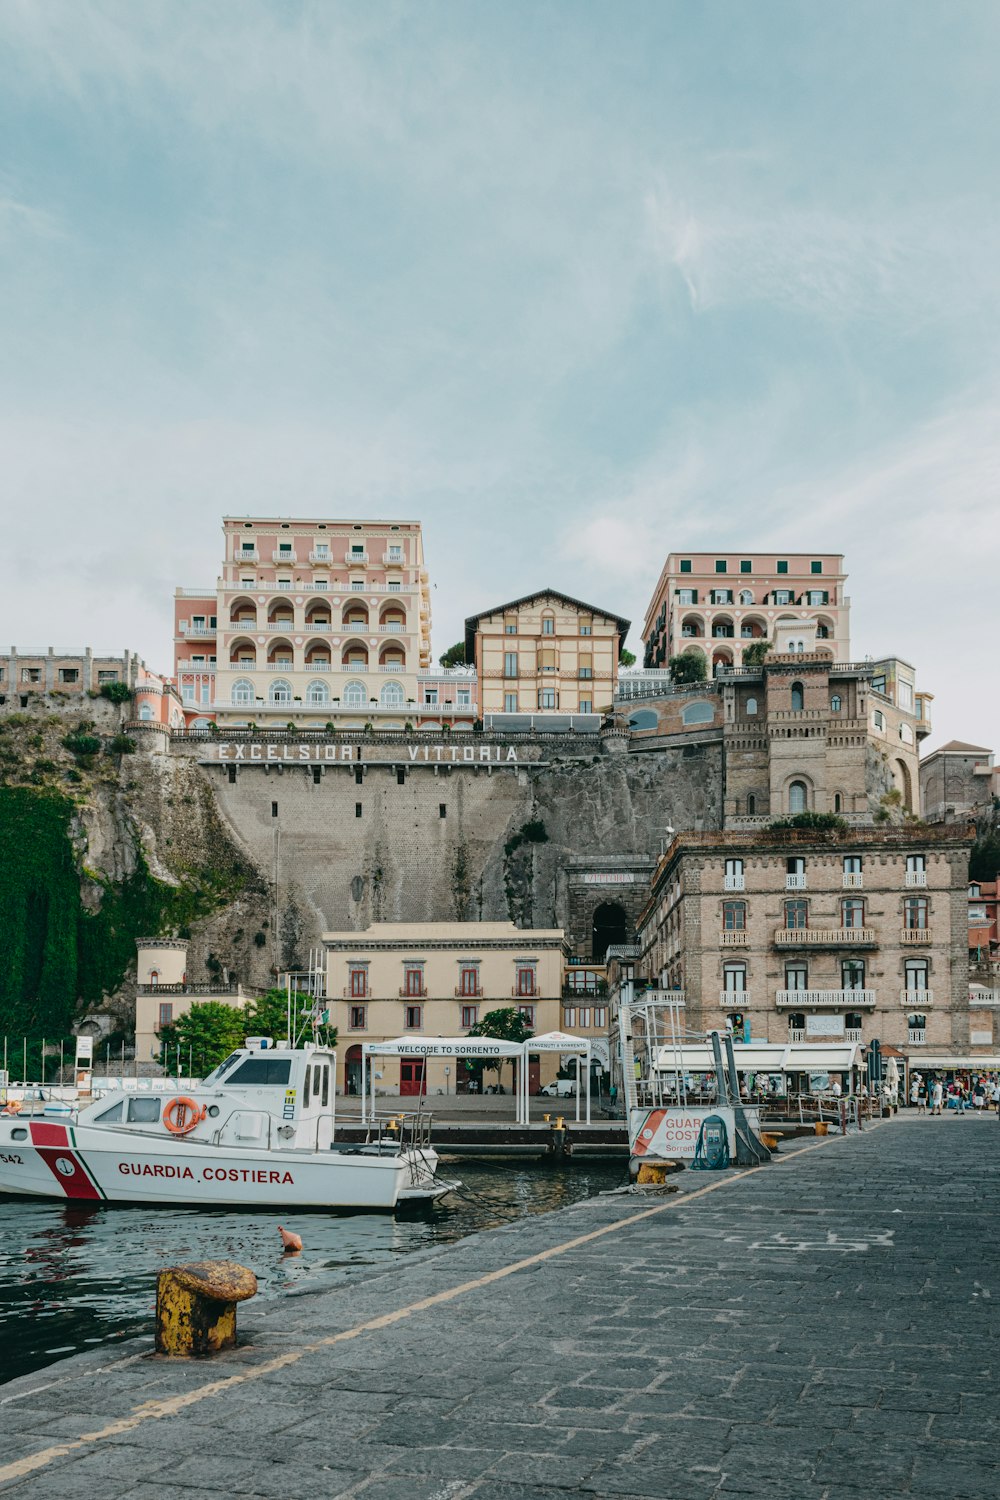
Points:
x=916, y=999
x=284, y=557
x=739, y=938
x=807, y=999
x=476, y=994
x=350, y=994
x=283, y=624
x=819, y=937
x=916, y=937
x=187, y=989
x=795, y=882
x=532, y=994
x=198, y=630
x=393, y=666
x=421, y=994
x=738, y=999
x=916, y=878
x=852, y=1034
x=853, y=881
x=916, y=1038
x=734, y=883
x=394, y=627
x=394, y=559
x=249, y=623
x=354, y=666
x=356, y=559
x=280, y=666
x=247, y=554
x=323, y=559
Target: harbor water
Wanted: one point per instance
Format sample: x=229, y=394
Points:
x=76, y=1276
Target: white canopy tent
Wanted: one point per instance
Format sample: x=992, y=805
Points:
x=560, y=1041
x=763, y=1057
x=443, y=1046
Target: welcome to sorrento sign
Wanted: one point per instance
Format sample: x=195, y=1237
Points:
x=253, y=752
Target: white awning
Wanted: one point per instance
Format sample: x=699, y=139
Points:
x=444, y=1046
x=558, y=1041
x=764, y=1057
x=919, y=1062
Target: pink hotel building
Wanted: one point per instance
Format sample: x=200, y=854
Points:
x=720, y=605
x=316, y=622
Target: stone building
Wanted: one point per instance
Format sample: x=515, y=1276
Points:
x=544, y=654
x=718, y=606
x=163, y=994
x=856, y=933
x=958, y=781
x=429, y=979
x=26, y=675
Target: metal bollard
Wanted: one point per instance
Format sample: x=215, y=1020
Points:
x=196, y=1306
x=652, y=1173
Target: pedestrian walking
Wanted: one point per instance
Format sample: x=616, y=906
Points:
x=937, y=1096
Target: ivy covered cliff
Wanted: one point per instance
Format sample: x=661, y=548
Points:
x=90, y=859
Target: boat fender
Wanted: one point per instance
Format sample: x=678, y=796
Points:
x=188, y=1115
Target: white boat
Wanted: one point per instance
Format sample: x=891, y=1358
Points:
x=258, y=1132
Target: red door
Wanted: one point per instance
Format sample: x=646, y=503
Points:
x=412, y=1075
x=534, y=1073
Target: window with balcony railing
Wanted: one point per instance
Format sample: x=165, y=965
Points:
x=915, y=914
x=796, y=915
x=526, y=980
x=852, y=912
x=358, y=982
x=413, y=980
x=734, y=875
x=468, y=981
x=734, y=916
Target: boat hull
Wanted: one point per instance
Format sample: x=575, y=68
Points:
x=98, y=1165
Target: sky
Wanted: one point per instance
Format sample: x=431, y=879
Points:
x=575, y=284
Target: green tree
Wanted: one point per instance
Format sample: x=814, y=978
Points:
x=754, y=655
x=626, y=658
x=690, y=666
x=205, y=1035
x=116, y=692
x=504, y=1025
x=268, y=1016
x=454, y=656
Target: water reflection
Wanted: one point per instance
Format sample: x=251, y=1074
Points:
x=76, y=1275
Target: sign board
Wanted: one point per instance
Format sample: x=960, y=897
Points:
x=671, y=1133
x=315, y=753
x=981, y=1038
x=84, y=1052
x=611, y=877
x=824, y=1025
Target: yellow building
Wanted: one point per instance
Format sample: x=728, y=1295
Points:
x=163, y=994
x=437, y=979
x=545, y=654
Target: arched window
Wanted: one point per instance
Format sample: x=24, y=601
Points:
x=242, y=691
x=697, y=713
x=643, y=718
x=798, y=797
x=751, y=805
x=280, y=691
x=392, y=695
x=746, y=597
x=317, y=692
x=798, y=698
x=751, y=705
x=154, y=976
x=835, y=702
x=145, y=712
x=837, y=802
x=355, y=695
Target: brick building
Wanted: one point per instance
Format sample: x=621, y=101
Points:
x=854, y=934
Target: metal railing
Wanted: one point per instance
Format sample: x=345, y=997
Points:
x=818, y=937
x=851, y=999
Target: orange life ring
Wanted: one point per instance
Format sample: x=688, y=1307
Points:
x=188, y=1115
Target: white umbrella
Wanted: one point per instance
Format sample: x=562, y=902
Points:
x=892, y=1076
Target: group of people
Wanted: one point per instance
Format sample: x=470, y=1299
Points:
x=936, y=1097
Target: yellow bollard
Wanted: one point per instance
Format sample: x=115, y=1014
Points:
x=546, y=1118
x=560, y=1122
x=652, y=1172
x=196, y=1306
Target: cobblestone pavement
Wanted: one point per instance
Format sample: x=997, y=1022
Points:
x=823, y=1328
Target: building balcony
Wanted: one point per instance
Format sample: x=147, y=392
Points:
x=354, y=666
x=288, y=558
x=188, y=989
x=853, y=882
x=393, y=560
x=348, y=994
x=393, y=666
x=916, y=937
x=737, y=939
x=825, y=937
x=320, y=559
x=916, y=999
x=916, y=879
x=395, y=627
x=852, y=1034
x=283, y=587
x=248, y=554
x=815, y=999
x=476, y=994
x=795, y=882
x=356, y=559
x=243, y=625
x=532, y=994
x=199, y=630
x=280, y=666
x=420, y=994
x=734, y=999
x=285, y=625
x=734, y=883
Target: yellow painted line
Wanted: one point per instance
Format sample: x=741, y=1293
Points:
x=171, y=1405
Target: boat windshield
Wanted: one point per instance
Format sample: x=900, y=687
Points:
x=223, y=1067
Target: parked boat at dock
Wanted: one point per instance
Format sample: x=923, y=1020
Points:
x=259, y=1131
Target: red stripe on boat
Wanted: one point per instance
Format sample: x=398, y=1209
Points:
x=68, y=1171
x=43, y=1134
